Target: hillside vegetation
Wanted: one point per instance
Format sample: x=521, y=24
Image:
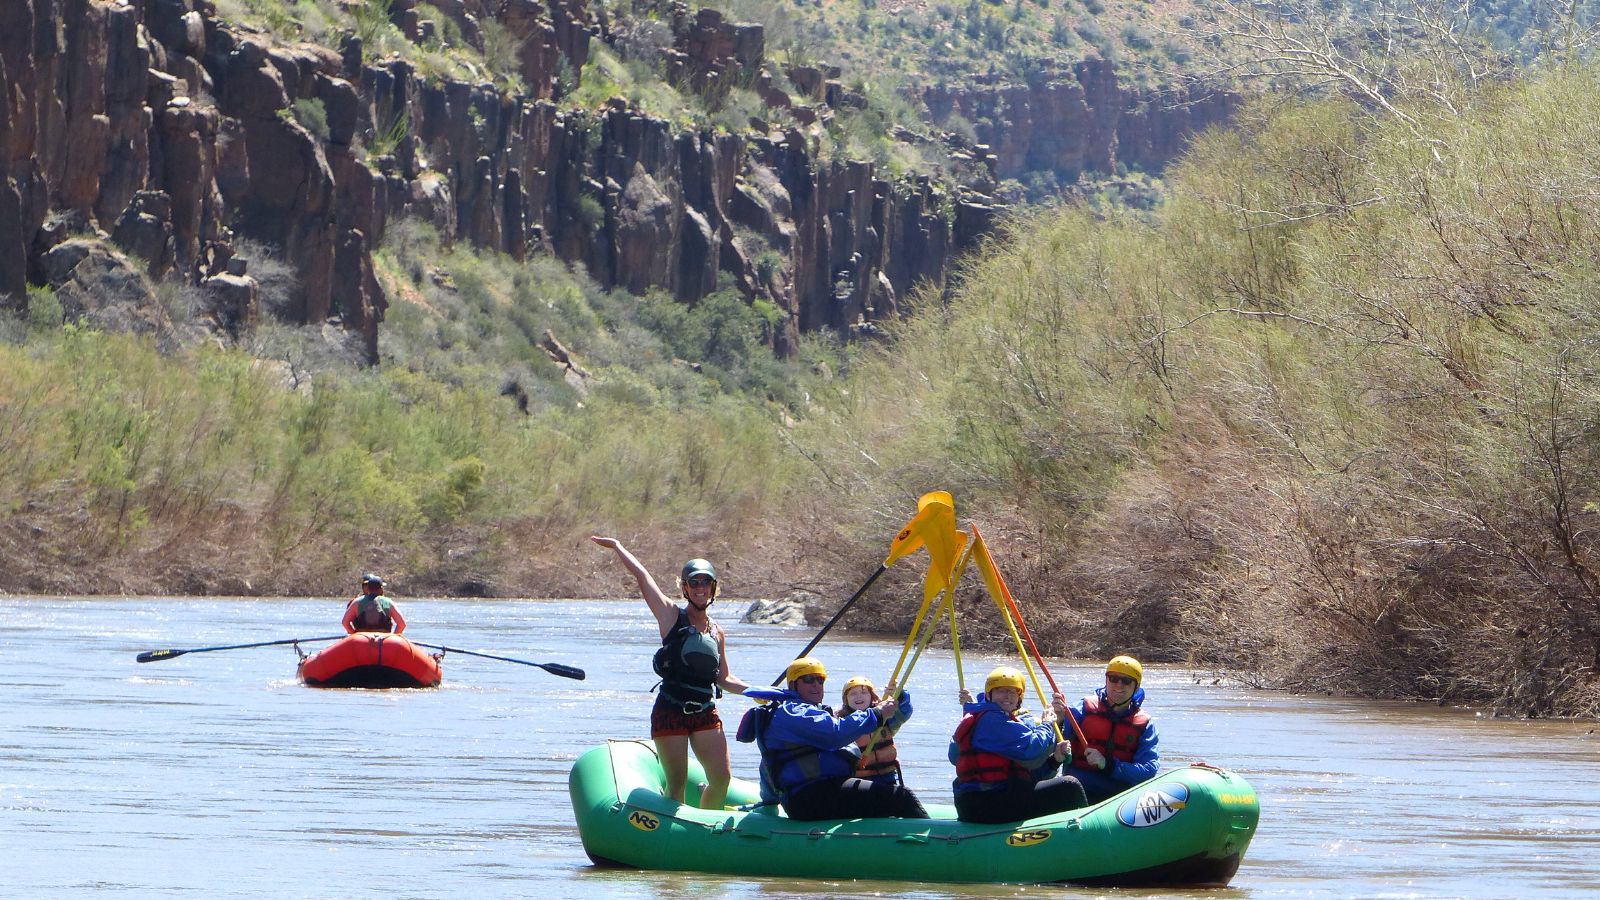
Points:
x=1323, y=419
x=1327, y=419
x=465, y=464
x=1328, y=416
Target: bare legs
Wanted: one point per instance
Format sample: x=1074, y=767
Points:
x=674, y=753
x=711, y=748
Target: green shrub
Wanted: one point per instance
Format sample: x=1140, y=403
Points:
x=45, y=312
x=312, y=115
x=590, y=213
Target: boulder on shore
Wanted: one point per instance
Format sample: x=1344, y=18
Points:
x=790, y=610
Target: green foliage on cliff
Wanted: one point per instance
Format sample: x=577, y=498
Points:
x=959, y=40
x=490, y=56
x=468, y=316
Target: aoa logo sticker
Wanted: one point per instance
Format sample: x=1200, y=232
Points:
x=643, y=820
x=1153, y=807
x=1027, y=838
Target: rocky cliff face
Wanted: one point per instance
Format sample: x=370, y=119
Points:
x=1078, y=120
x=155, y=125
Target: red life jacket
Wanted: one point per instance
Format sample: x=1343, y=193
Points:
x=882, y=759
x=1116, y=738
x=974, y=766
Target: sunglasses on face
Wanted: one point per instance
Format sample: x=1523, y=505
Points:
x=1118, y=679
x=810, y=679
x=702, y=581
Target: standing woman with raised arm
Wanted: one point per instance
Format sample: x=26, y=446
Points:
x=693, y=665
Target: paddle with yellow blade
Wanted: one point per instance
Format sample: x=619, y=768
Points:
x=948, y=554
x=945, y=609
x=945, y=561
x=910, y=539
x=1011, y=614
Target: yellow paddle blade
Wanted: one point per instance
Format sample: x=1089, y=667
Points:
x=991, y=575
x=944, y=544
x=939, y=578
x=912, y=537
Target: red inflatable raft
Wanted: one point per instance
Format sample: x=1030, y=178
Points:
x=371, y=659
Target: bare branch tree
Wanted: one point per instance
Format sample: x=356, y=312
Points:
x=1398, y=57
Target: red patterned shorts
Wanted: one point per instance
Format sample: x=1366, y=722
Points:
x=668, y=720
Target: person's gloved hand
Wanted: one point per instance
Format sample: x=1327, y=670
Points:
x=1095, y=758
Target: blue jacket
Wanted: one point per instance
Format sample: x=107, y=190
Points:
x=1024, y=739
x=1119, y=775
x=802, y=743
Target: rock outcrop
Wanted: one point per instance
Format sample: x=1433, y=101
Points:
x=793, y=610
x=156, y=125
x=1077, y=120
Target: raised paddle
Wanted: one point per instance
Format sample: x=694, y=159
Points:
x=909, y=540
x=158, y=655
x=992, y=580
x=552, y=668
x=882, y=567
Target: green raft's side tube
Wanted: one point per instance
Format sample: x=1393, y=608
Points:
x=1184, y=827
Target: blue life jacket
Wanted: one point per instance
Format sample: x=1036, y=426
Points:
x=790, y=762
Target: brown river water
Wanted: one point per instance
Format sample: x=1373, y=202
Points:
x=217, y=774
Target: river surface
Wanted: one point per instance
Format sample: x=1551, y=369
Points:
x=217, y=774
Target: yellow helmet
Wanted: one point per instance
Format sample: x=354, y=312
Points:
x=1005, y=676
x=805, y=665
x=855, y=682
x=1126, y=665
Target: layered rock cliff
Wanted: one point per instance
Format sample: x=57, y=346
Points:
x=172, y=133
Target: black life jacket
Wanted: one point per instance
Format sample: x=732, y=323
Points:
x=370, y=614
x=688, y=663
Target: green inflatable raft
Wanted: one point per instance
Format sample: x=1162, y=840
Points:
x=1186, y=827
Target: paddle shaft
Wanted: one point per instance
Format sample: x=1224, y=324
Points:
x=882, y=567
x=1016, y=612
x=158, y=655
x=553, y=668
